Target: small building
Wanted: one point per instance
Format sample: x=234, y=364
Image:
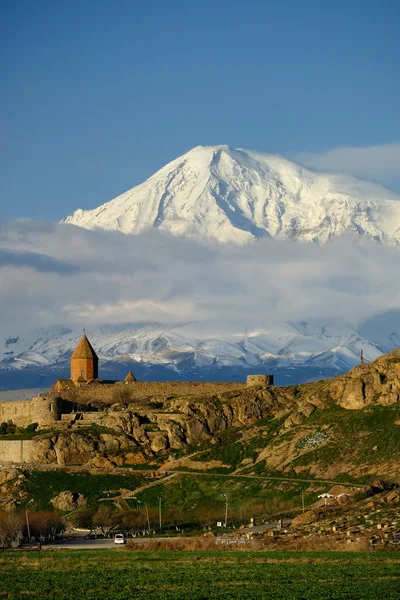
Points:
x=130, y=378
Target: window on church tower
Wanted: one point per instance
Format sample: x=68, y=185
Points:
x=83, y=374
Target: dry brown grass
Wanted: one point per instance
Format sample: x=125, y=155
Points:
x=191, y=544
x=326, y=543
x=308, y=544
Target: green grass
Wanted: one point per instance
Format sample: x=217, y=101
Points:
x=27, y=435
x=351, y=436
x=95, y=431
x=197, y=494
x=190, y=499
x=230, y=449
x=44, y=485
x=122, y=575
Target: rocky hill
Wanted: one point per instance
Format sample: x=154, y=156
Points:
x=258, y=445
x=338, y=428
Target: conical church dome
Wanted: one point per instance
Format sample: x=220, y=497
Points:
x=130, y=378
x=84, y=349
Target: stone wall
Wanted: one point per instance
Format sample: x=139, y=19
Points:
x=104, y=393
x=39, y=409
x=260, y=380
x=16, y=451
x=17, y=411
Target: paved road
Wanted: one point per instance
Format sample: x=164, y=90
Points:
x=80, y=543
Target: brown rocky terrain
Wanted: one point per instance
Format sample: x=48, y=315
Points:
x=343, y=427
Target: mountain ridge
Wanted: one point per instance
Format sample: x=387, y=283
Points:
x=293, y=351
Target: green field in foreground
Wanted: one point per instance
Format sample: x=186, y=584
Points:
x=121, y=574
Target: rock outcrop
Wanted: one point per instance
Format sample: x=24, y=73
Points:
x=67, y=501
x=155, y=429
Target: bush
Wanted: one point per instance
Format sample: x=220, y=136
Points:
x=6, y=428
x=31, y=427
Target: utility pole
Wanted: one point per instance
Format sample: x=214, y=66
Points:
x=147, y=513
x=146, y=508
x=226, y=509
x=27, y=520
x=159, y=511
x=361, y=357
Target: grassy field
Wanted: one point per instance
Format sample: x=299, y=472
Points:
x=41, y=486
x=121, y=575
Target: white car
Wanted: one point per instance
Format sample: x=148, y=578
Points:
x=119, y=539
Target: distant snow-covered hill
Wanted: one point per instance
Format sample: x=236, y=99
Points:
x=293, y=351
x=228, y=195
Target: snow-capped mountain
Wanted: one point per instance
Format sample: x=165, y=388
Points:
x=309, y=350
x=228, y=195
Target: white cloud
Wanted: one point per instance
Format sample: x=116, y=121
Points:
x=58, y=274
x=381, y=163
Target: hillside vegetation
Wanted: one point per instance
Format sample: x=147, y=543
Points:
x=258, y=445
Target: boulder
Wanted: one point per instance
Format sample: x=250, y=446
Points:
x=392, y=497
x=294, y=419
x=378, y=486
x=135, y=458
x=67, y=501
x=159, y=442
x=353, y=397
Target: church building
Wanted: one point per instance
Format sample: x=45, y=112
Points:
x=84, y=364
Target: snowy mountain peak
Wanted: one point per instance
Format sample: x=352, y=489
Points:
x=236, y=195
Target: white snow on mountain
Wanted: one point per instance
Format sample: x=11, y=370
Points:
x=332, y=345
x=235, y=195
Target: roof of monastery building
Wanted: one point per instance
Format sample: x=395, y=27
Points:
x=130, y=378
x=84, y=349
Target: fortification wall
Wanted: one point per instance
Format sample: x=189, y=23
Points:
x=17, y=411
x=16, y=451
x=260, y=380
x=103, y=393
x=41, y=410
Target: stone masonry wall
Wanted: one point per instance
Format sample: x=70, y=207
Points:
x=16, y=451
x=260, y=380
x=147, y=389
x=17, y=411
x=36, y=410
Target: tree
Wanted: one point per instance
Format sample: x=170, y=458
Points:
x=175, y=515
x=45, y=522
x=82, y=518
x=11, y=526
x=122, y=395
x=103, y=518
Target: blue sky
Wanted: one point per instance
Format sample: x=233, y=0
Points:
x=98, y=95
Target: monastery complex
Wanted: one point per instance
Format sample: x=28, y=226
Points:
x=85, y=387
